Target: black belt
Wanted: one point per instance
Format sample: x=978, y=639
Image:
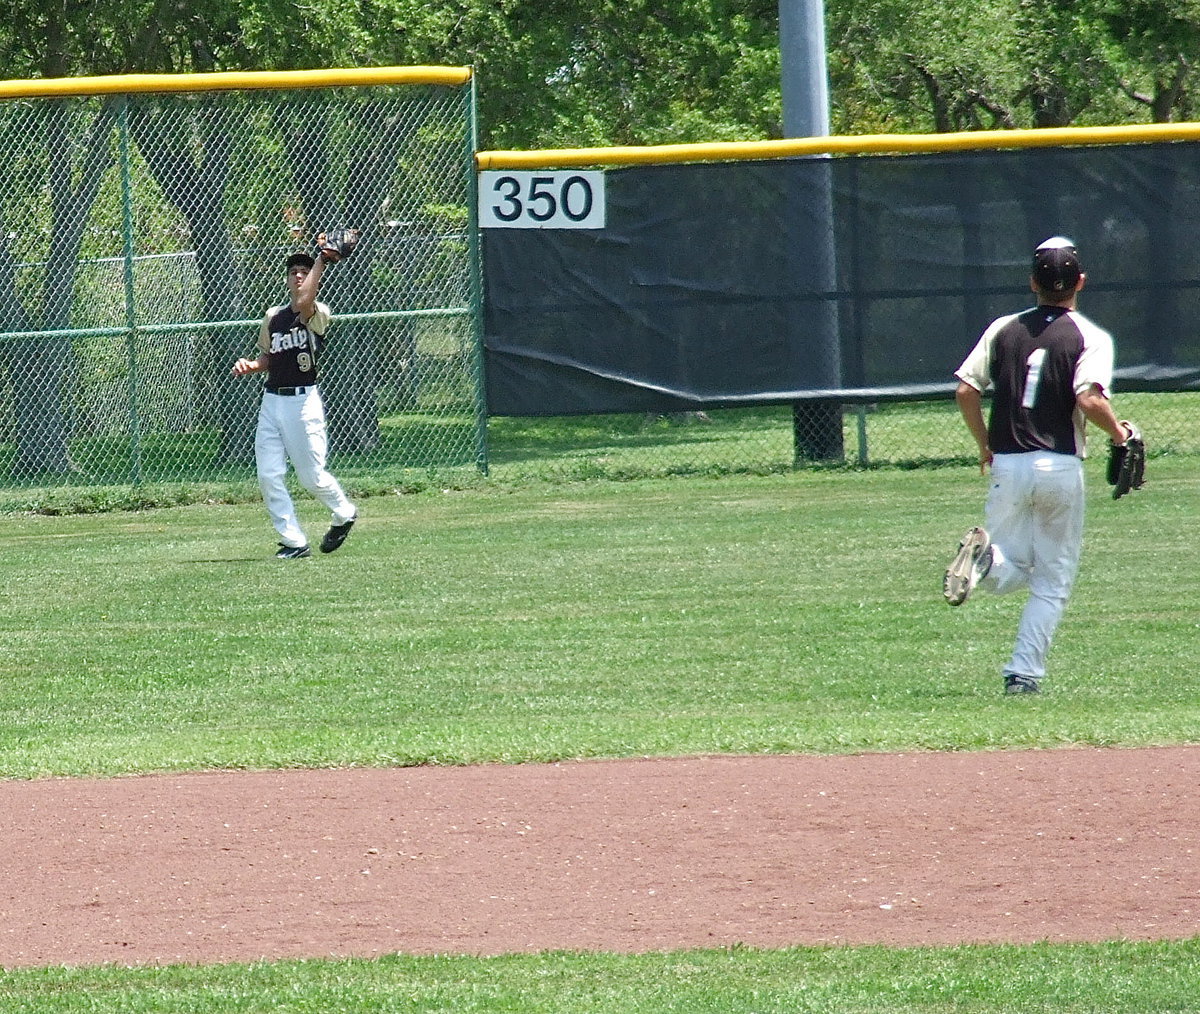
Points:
x=290, y=390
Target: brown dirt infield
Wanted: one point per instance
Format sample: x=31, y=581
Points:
x=638, y=855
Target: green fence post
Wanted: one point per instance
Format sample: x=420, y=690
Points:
x=863, y=456
x=475, y=259
x=135, y=423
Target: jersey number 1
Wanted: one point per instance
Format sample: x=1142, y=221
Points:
x=1032, y=376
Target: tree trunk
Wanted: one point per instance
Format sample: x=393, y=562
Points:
x=196, y=186
x=40, y=364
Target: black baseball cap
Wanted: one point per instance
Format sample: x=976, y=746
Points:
x=299, y=260
x=1056, y=266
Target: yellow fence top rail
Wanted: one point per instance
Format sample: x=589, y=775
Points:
x=846, y=145
x=232, y=80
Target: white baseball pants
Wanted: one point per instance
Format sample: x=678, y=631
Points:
x=1034, y=516
x=292, y=428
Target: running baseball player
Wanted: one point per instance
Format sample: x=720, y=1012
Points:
x=291, y=418
x=1050, y=369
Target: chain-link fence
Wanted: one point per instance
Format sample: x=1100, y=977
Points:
x=763, y=440
x=144, y=234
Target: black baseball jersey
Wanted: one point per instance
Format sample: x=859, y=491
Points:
x=1037, y=362
x=293, y=345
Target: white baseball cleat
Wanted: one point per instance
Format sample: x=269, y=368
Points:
x=970, y=566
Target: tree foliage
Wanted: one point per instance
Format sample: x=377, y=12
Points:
x=1154, y=46
x=581, y=72
x=942, y=65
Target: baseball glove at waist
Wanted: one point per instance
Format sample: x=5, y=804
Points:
x=1127, y=462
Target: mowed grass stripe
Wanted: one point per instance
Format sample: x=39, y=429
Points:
x=783, y=613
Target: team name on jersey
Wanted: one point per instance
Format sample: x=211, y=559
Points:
x=297, y=338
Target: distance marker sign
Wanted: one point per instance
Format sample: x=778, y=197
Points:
x=566, y=199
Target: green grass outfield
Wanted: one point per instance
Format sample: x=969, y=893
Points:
x=1115, y=978
x=777, y=613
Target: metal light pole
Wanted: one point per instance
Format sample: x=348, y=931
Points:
x=817, y=425
x=805, y=75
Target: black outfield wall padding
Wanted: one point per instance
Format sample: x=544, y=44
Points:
x=699, y=292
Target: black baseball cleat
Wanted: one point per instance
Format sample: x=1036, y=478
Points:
x=337, y=535
x=292, y=552
x=1014, y=683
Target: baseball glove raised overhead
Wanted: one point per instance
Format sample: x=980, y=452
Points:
x=337, y=244
x=1127, y=462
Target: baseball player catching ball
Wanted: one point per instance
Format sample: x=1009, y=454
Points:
x=291, y=419
x=1050, y=369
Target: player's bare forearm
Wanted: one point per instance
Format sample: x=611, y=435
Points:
x=1098, y=410
x=246, y=366
x=970, y=405
x=306, y=294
